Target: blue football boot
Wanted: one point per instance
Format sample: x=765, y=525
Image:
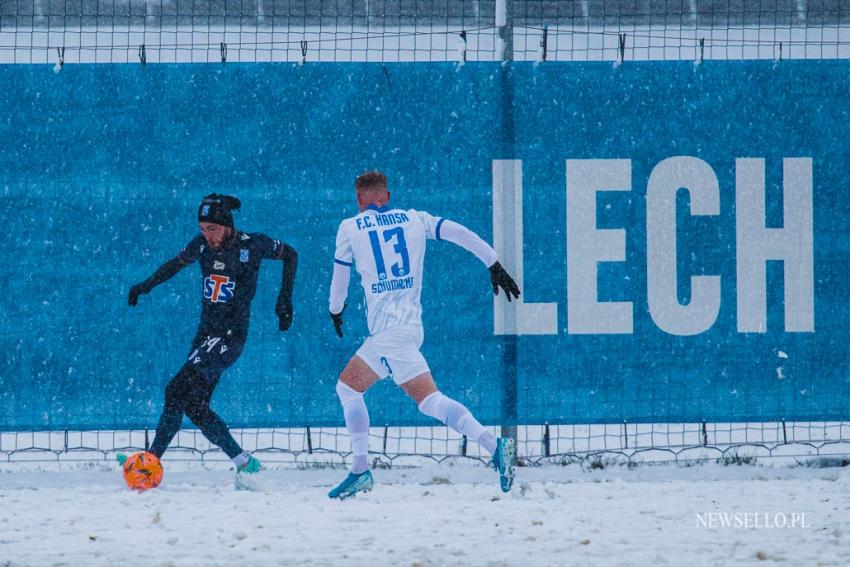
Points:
x=503, y=461
x=353, y=484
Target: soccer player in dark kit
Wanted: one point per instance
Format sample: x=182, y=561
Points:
x=230, y=262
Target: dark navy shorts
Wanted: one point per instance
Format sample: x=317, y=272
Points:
x=211, y=355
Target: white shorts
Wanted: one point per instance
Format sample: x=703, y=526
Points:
x=394, y=353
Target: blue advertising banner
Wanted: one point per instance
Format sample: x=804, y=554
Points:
x=679, y=230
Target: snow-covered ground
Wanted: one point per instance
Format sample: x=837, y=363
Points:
x=449, y=514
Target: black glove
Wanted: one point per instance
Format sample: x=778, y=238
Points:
x=135, y=292
x=337, y=319
x=502, y=279
x=284, y=314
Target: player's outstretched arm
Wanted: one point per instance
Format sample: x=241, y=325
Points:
x=343, y=260
x=163, y=274
x=458, y=234
x=283, y=307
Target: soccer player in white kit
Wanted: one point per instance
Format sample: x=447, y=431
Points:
x=387, y=246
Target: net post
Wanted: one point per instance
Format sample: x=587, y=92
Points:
x=504, y=21
x=462, y=47
x=147, y=441
x=622, y=48
x=309, y=441
x=547, y=450
x=544, y=42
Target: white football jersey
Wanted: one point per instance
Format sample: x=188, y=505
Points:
x=387, y=246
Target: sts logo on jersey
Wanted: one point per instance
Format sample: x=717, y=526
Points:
x=218, y=288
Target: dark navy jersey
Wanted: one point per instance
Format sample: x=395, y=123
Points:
x=229, y=278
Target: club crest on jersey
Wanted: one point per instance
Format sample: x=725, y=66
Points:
x=243, y=255
x=218, y=288
x=205, y=210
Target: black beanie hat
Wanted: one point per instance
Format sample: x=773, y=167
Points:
x=216, y=208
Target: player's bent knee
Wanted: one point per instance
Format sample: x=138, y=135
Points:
x=441, y=407
x=432, y=406
x=194, y=412
x=346, y=393
x=420, y=387
x=198, y=410
x=202, y=417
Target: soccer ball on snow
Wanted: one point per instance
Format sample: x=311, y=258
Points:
x=142, y=471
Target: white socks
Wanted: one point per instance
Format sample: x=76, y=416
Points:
x=455, y=415
x=452, y=413
x=240, y=459
x=357, y=422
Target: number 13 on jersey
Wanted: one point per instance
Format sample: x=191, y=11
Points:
x=395, y=237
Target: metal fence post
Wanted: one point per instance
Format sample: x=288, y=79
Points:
x=504, y=21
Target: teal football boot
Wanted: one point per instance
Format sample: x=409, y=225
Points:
x=503, y=461
x=251, y=466
x=353, y=484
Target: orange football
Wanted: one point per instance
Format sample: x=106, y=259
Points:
x=142, y=471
